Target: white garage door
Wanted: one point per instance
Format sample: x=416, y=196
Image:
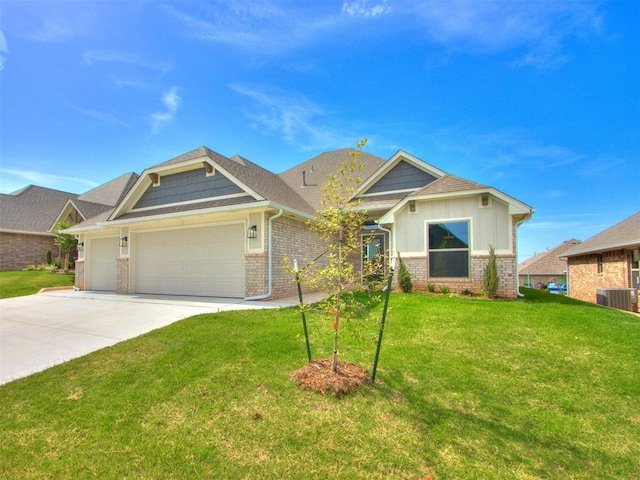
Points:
x=101, y=265
x=194, y=261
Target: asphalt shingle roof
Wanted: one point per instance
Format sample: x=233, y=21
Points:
x=317, y=169
x=447, y=184
x=32, y=209
x=547, y=262
x=623, y=234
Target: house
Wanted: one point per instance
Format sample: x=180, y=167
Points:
x=204, y=224
x=608, y=260
x=546, y=267
x=28, y=218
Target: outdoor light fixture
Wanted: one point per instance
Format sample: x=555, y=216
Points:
x=123, y=242
x=252, y=231
x=80, y=246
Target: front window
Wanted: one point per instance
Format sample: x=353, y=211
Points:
x=449, y=249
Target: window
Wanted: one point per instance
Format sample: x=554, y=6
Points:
x=449, y=249
x=600, y=263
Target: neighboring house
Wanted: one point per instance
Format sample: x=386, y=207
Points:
x=608, y=260
x=204, y=224
x=546, y=267
x=28, y=218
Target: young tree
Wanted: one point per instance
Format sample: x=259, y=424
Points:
x=67, y=243
x=491, y=280
x=340, y=223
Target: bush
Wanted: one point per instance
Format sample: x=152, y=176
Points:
x=490, y=280
x=404, y=277
x=431, y=288
x=445, y=289
x=48, y=257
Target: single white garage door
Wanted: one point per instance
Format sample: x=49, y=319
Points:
x=101, y=263
x=191, y=261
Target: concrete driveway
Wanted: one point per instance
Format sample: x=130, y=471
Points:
x=43, y=330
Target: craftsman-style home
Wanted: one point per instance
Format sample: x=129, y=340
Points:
x=206, y=225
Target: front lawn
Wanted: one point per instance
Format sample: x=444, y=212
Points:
x=544, y=387
x=20, y=283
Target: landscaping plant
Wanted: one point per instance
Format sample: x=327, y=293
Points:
x=490, y=279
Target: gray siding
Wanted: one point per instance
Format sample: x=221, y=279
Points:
x=185, y=186
x=401, y=177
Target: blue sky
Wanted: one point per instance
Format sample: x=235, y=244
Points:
x=540, y=100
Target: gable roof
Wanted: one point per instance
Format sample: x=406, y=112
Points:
x=32, y=209
x=110, y=193
x=259, y=184
x=624, y=234
x=308, y=177
x=548, y=262
x=98, y=200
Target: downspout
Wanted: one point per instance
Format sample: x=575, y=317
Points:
x=270, y=265
x=390, y=239
x=521, y=295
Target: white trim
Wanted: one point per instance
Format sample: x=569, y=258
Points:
x=24, y=232
x=389, y=192
x=138, y=189
x=398, y=157
x=189, y=202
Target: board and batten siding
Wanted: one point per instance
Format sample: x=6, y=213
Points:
x=488, y=225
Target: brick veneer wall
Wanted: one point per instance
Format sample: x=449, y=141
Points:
x=584, y=278
x=256, y=280
x=293, y=240
x=17, y=250
x=507, y=288
x=79, y=280
x=122, y=275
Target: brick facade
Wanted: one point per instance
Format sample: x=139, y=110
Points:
x=17, y=250
x=584, y=277
x=294, y=241
x=507, y=288
x=122, y=275
x=79, y=280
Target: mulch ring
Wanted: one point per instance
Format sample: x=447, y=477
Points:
x=320, y=377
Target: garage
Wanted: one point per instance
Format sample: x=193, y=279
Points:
x=203, y=261
x=102, y=255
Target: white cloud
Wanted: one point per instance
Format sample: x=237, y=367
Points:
x=171, y=101
x=505, y=148
x=3, y=49
x=297, y=119
x=539, y=29
x=52, y=31
x=102, y=117
x=92, y=57
x=45, y=179
x=365, y=8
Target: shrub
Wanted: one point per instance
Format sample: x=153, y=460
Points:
x=445, y=289
x=490, y=280
x=404, y=277
x=48, y=257
x=431, y=287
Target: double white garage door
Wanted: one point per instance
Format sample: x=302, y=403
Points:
x=205, y=261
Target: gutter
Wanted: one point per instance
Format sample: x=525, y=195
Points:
x=270, y=248
x=518, y=294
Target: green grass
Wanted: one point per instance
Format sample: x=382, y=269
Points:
x=544, y=387
x=17, y=284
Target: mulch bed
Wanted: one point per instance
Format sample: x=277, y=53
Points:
x=320, y=377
